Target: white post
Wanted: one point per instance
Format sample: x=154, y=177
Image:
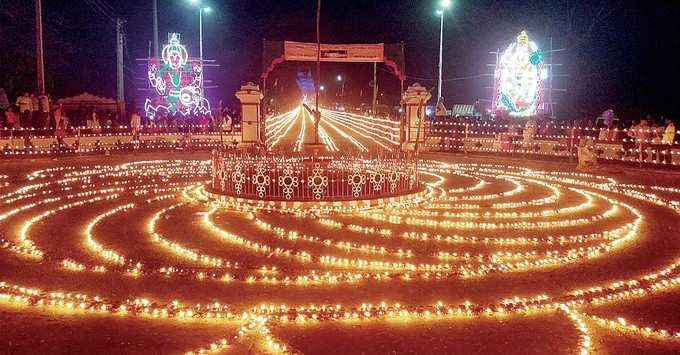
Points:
x=441, y=47
x=155, y=29
x=317, y=113
x=40, y=65
x=200, y=33
x=375, y=88
x=120, y=89
x=200, y=45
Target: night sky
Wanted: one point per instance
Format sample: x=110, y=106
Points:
x=618, y=52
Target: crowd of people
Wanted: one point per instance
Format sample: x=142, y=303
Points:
x=30, y=110
x=39, y=115
x=638, y=138
x=648, y=130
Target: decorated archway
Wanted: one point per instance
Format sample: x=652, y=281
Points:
x=277, y=52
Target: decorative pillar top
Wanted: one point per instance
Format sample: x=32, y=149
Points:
x=416, y=94
x=249, y=93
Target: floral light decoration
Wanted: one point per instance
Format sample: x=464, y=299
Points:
x=288, y=182
x=520, y=76
x=261, y=180
x=177, y=80
x=318, y=182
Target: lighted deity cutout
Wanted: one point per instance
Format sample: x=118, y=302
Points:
x=520, y=78
x=177, y=80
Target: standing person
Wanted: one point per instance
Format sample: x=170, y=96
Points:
x=219, y=118
x=92, y=119
x=162, y=122
x=35, y=111
x=228, y=122
x=59, y=133
x=204, y=123
x=44, y=114
x=24, y=103
x=669, y=133
x=57, y=116
x=135, y=123
x=11, y=118
x=109, y=121
x=668, y=140
x=25, y=109
x=530, y=130
x=96, y=124
x=4, y=102
x=643, y=139
x=629, y=142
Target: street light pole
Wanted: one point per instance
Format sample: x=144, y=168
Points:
x=200, y=45
x=201, y=9
x=444, y=5
x=120, y=63
x=156, y=52
x=317, y=114
x=200, y=34
x=342, y=89
x=441, y=59
x=40, y=65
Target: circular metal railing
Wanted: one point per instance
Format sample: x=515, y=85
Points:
x=278, y=177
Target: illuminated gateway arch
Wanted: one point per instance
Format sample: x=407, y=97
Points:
x=276, y=53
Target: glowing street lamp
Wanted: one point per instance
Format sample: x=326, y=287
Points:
x=342, y=87
x=322, y=88
x=201, y=9
x=445, y=4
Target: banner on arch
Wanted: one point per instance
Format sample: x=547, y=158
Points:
x=360, y=53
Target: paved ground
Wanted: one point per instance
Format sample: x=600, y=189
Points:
x=338, y=131
x=477, y=268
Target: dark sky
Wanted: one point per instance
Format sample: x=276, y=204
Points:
x=618, y=52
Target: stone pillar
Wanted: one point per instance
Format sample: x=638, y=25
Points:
x=414, y=100
x=250, y=97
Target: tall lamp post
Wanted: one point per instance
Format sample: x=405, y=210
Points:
x=317, y=113
x=156, y=51
x=40, y=65
x=444, y=4
x=342, y=89
x=201, y=9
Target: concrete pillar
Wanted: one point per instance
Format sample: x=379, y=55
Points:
x=250, y=97
x=414, y=100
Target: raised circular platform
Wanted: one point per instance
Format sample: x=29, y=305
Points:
x=276, y=177
x=315, y=206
